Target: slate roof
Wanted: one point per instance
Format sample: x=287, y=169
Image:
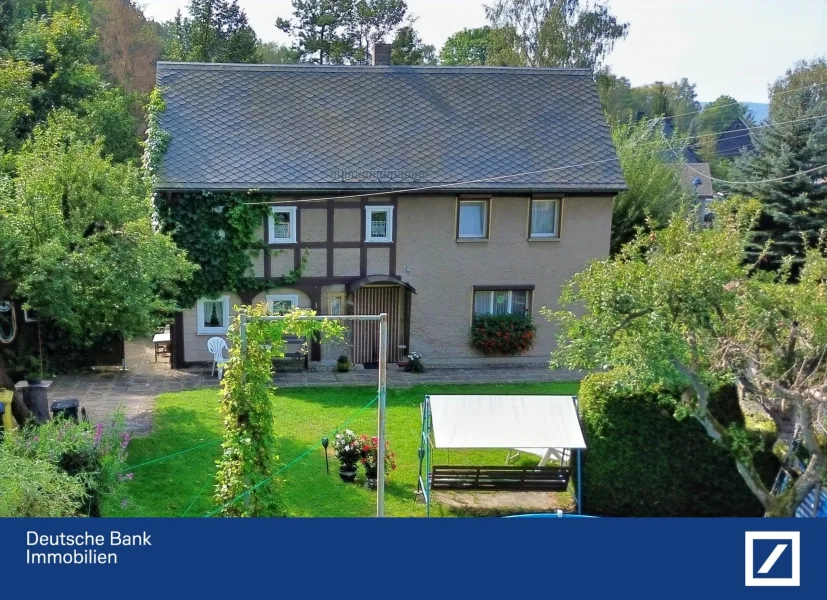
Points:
x=736, y=138
x=321, y=128
x=690, y=171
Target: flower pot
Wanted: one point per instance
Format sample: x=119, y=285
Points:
x=34, y=381
x=347, y=474
x=370, y=476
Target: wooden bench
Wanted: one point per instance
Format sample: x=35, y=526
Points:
x=512, y=478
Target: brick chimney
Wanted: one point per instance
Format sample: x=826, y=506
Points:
x=381, y=54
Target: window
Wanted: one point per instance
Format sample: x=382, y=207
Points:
x=30, y=316
x=501, y=302
x=283, y=225
x=379, y=224
x=282, y=303
x=545, y=215
x=472, y=219
x=213, y=315
x=336, y=304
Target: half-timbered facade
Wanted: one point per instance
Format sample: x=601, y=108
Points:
x=431, y=194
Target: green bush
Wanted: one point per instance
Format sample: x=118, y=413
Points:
x=503, y=334
x=93, y=455
x=641, y=461
x=36, y=488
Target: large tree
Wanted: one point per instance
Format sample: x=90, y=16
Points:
x=795, y=140
x=342, y=31
x=212, y=31
x=552, y=33
x=409, y=49
x=78, y=243
x=680, y=309
x=320, y=31
x=466, y=47
x=655, y=191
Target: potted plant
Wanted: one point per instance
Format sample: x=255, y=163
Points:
x=369, y=447
x=347, y=450
x=343, y=364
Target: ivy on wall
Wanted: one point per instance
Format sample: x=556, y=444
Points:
x=221, y=233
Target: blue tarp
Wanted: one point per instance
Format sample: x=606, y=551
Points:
x=809, y=508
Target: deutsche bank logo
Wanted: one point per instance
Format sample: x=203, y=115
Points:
x=773, y=558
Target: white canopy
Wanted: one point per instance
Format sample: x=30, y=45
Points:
x=506, y=422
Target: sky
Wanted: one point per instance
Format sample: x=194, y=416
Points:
x=735, y=47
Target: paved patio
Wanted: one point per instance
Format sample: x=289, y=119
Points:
x=100, y=392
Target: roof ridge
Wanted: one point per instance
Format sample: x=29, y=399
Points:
x=196, y=66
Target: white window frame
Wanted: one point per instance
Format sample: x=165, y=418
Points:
x=201, y=329
x=292, y=298
x=275, y=210
x=529, y=299
x=486, y=224
x=369, y=210
x=556, y=233
x=342, y=305
x=27, y=318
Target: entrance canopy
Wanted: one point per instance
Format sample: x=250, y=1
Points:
x=505, y=422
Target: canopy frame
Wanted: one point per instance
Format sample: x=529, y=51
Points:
x=495, y=478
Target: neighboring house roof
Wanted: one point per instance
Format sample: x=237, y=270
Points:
x=683, y=152
x=690, y=171
x=308, y=127
x=736, y=138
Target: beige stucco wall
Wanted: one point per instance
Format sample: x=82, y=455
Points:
x=444, y=271
x=378, y=261
x=281, y=262
x=314, y=225
x=347, y=226
x=346, y=262
x=316, y=262
x=195, y=345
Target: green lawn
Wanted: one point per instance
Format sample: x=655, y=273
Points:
x=183, y=484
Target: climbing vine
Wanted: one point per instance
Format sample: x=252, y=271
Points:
x=221, y=233
x=157, y=140
x=245, y=482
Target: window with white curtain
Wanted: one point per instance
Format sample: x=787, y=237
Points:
x=379, y=224
x=545, y=215
x=283, y=225
x=213, y=315
x=501, y=302
x=473, y=219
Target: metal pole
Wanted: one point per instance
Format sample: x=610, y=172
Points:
x=579, y=482
x=383, y=390
x=242, y=326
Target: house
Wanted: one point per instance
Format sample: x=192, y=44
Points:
x=428, y=193
x=737, y=138
x=695, y=174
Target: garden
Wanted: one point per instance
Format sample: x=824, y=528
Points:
x=165, y=482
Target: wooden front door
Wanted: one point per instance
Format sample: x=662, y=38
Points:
x=375, y=300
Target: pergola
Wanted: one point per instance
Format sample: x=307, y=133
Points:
x=543, y=425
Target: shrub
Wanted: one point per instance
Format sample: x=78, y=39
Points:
x=36, y=488
x=415, y=363
x=641, y=461
x=503, y=334
x=93, y=454
x=343, y=364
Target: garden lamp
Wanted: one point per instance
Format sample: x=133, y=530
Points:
x=325, y=444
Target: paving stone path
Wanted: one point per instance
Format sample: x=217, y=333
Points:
x=136, y=388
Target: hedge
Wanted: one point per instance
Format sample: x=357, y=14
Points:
x=643, y=462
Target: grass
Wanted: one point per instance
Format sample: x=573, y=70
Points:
x=183, y=484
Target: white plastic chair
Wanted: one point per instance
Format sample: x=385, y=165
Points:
x=218, y=348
